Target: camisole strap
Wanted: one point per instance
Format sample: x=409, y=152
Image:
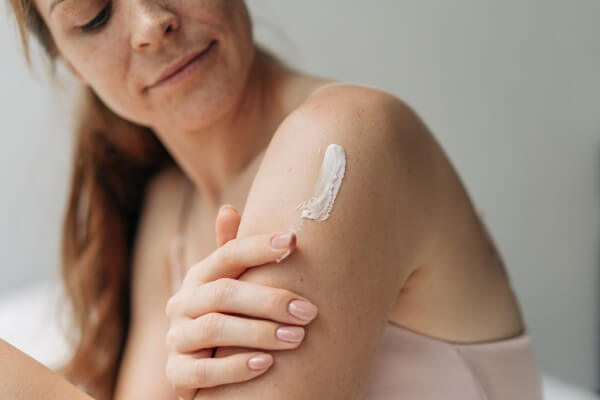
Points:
x=176, y=267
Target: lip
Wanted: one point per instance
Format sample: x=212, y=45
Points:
x=178, y=66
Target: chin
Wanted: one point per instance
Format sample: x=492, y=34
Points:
x=197, y=109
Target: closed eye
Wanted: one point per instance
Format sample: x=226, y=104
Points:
x=99, y=20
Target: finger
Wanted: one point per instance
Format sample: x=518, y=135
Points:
x=218, y=330
x=228, y=295
x=226, y=224
x=185, y=394
x=239, y=254
x=188, y=394
x=188, y=373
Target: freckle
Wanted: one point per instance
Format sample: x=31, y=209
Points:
x=301, y=279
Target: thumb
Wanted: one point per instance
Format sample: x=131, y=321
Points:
x=226, y=224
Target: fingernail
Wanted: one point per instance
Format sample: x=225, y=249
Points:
x=283, y=256
x=290, y=333
x=282, y=240
x=303, y=309
x=260, y=361
x=224, y=206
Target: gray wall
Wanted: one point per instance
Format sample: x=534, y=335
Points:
x=34, y=163
x=510, y=89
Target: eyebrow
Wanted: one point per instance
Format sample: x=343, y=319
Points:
x=54, y=4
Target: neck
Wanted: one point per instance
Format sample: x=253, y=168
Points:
x=217, y=155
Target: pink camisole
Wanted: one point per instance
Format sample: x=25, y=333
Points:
x=413, y=366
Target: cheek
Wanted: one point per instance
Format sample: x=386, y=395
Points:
x=108, y=77
x=103, y=62
x=109, y=83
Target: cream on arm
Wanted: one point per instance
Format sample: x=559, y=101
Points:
x=346, y=167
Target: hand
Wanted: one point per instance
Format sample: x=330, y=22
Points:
x=197, y=313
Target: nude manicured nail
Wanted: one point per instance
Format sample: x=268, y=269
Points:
x=260, y=361
x=290, y=333
x=224, y=206
x=302, y=309
x=282, y=240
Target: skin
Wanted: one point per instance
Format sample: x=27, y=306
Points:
x=214, y=123
x=24, y=378
x=233, y=127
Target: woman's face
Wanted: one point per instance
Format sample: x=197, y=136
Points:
x=121, y=47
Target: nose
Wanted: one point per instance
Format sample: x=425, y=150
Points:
x=151, y=23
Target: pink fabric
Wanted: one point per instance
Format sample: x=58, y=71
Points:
x=413, y=366
x=410, y=365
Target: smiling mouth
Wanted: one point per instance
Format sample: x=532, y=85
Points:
x=172, y=76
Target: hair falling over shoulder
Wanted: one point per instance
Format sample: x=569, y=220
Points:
x=113, y=161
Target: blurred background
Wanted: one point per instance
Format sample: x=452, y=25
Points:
x=509, y=88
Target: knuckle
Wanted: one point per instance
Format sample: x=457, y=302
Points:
x=211, y=325
x=221, y=290
x=227, y=252
x=171, y=305
x=200, y=372
x=171, y=338
x=191, y=276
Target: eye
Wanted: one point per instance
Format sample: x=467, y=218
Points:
x=99, y=20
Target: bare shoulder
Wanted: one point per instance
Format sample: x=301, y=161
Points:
x=408, y=175
x=358, y=98
x=388, y=147
x=369, y=114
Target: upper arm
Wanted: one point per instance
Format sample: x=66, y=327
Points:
x=142, y=371
x=353, y=264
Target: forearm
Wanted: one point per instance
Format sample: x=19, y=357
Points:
x=24, y=378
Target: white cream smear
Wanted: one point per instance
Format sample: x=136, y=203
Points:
x=319, y=206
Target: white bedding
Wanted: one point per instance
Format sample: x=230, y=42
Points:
x=30, y=321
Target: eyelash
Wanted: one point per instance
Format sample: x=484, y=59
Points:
x=99, y=20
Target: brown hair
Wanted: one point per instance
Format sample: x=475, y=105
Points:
x=113, y=161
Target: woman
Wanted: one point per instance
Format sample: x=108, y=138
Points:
x=185, y=113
